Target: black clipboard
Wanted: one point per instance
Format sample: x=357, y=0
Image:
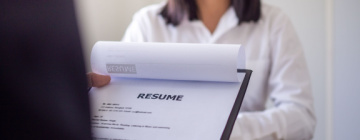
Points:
x=237, y=104
x=236, y=107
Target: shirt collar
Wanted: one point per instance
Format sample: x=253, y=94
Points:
x=228, y=21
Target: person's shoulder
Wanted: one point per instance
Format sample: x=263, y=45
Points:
x=149, y=12
x=273, y=15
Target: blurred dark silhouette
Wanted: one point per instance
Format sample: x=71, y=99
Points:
x=42, y=75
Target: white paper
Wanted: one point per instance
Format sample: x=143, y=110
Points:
x=174, y=61
x=200, y=83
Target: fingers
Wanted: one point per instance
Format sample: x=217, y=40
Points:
x=97, y=80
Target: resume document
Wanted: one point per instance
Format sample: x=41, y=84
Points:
x=165, y=91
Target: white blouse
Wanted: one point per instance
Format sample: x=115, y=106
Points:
x=273, y=52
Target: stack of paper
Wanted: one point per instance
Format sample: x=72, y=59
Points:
x=163, y=91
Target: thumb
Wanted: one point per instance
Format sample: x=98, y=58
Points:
x=97, y=80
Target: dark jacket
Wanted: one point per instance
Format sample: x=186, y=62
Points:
x=42, y=75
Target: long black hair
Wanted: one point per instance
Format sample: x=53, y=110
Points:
x=175, y=10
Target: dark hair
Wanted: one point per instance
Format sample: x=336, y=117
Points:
x=175, y=10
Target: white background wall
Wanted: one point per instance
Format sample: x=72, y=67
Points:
x=346, y=67
x=329, y=31
x=105, y=19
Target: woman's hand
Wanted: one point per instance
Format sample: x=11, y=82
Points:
x=97, y=80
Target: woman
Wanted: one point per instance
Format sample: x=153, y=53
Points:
x=273, y=52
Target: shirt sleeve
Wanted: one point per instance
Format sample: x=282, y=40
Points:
x=289, y=88
x=135, y=32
